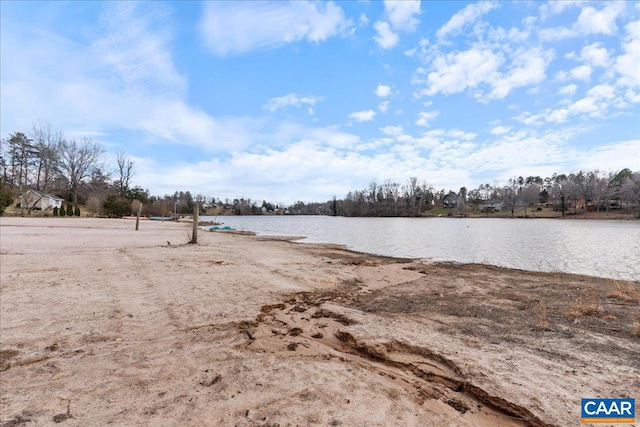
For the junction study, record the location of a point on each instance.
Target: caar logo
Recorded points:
(608, 410)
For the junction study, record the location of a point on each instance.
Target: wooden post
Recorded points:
(194, 237)
(138, 217)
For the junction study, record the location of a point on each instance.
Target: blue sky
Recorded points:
(290, 101)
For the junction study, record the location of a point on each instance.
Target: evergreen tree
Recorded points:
(6, 199)
(76, 211)
(116, 206)
(69, 209)
(62, 212)
(55, 211)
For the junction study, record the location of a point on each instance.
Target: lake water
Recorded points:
(593, 247)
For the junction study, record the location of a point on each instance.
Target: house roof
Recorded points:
(41, 194)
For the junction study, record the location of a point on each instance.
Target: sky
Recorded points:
(287, 101)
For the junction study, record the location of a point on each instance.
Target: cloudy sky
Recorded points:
(306, 100)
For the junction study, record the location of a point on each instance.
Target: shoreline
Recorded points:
(255, 330)
(203, 227)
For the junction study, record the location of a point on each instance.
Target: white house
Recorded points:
(491, 206)
(34, 199)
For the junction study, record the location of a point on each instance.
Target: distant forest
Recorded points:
(45, 160)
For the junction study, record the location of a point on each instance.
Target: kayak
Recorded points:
(220, 228)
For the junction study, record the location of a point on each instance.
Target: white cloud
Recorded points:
(583, 72)
(363, 21)
(584, 105)
(290, 99)
(124, 79)
(615, 155)
(179, 123)
(499, 130)
(466, 16)
(593, 21)
(363, 116)
(392, 130)
(554, 7)
(235, 27)
(424, 118)
(568, 90)
(560, 115)
(627, 64)
(136, 46)
(527, 67)
(385, 37)
(401, 14)
(400, 17)
(383, 91)
(595, 55)
(556, 33)
(383, 106)
(457, 71)
(479, 68)
(410, 52)
(602, 91)
(590, 21)
(597, 104)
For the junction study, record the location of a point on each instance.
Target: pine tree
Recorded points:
(62, 212)
(69, 209)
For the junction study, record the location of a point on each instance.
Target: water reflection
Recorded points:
(592, 247)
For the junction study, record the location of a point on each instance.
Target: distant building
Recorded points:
(491, 206)
(34, 199)
(451, 200)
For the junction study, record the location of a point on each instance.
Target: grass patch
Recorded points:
(543, 320)
(625, 291)
(587, 304)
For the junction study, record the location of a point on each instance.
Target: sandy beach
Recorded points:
(104, 325)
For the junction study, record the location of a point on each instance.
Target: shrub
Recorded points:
(69, 210)
(62, 212)
(5, 201)
(55, 211)
(115, 206)
(76, 211)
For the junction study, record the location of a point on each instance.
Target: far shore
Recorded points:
(102, 324)
(439, 212)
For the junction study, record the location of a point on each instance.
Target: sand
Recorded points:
(103, 325)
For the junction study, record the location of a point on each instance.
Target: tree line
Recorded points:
(46, 160)
(586, 190)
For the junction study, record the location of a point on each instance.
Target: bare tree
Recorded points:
(372, 196)
(47, 143)
(585, 183)
(560, 189)
(530, 195)
(412, 193)
(603, 191)
(77, 161)
(125, 174)
(511, 194)
(630, 191)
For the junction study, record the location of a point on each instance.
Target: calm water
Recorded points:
(596, 248)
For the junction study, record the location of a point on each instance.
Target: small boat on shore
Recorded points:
(160, 218)
(221, 228)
